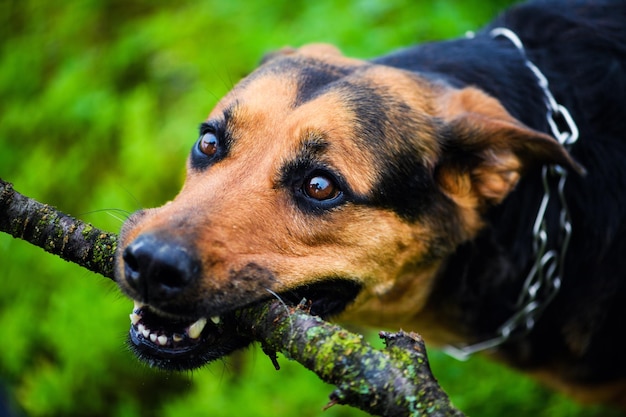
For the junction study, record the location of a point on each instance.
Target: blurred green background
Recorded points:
(99, 106)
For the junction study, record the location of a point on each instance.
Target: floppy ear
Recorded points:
(486, 150)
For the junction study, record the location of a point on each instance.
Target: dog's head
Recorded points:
(325, 178)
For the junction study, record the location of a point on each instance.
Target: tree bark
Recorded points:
(395, 381)
(55, 232)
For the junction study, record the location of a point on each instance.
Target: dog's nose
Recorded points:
(159, 268)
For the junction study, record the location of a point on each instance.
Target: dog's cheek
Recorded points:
(380, 245)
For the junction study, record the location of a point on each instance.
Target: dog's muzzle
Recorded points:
(167, 331)
(178, 324)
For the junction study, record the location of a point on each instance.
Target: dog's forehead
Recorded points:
(295, 80)
(286, 83)
(364, 114)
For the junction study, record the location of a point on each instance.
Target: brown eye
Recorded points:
(208, 144)
(320, 187)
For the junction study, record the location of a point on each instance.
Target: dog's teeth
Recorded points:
(177, 338)
(216, 319)
(153, 337)
(162, 340)
(134, 318)
(142, 329)
(195, 329)
(138, 305)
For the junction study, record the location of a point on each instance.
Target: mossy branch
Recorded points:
(60, 234)
(395, 381)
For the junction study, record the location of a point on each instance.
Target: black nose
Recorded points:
(159, 268)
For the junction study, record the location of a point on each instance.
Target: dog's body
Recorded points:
(402, 192)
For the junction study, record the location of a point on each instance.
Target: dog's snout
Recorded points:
(159, 268)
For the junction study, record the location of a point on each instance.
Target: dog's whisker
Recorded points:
(118, 218)
(286, 307)
(123, 214)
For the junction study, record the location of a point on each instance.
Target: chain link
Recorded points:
(544, 280)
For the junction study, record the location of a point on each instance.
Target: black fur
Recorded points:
(313, 77)
(406, 185)
(581, 48)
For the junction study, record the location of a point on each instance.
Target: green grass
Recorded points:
(99, 105)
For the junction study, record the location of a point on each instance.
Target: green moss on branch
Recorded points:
(395, 381)
(57, 233)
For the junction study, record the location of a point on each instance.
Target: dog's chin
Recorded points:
(178, 343)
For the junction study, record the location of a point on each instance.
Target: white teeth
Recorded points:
(142, 329)
(134, 318)
(195, 329)
(137, 305)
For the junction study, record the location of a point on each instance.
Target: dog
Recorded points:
(472, 190)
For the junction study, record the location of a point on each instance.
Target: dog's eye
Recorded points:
(208, 144)
(321, 187)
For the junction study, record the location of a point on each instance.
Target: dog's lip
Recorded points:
(171, 341)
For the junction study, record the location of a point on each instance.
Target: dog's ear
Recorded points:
(320, 50)
(287, 50)
(317, 50)
(485, 150)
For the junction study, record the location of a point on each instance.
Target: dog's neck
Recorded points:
(484, 277)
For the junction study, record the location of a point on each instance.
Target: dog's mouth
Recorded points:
(178, 343)
(181, 343)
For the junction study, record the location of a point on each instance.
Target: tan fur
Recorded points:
(500, 171)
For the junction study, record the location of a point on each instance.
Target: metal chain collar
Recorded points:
(544, 279)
